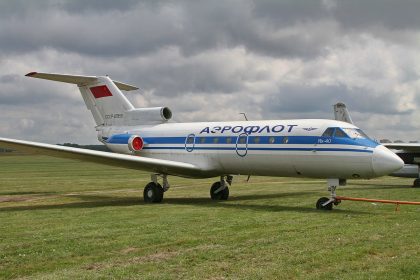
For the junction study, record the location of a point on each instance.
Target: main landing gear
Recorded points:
(220, 189)
(416, 183)
(325, 203)
(153, 191)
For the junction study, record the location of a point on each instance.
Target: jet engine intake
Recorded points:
(148, 115)
(135, 143)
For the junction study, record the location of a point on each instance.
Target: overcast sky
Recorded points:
(211, 60)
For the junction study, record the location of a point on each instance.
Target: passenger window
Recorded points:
(256, 140)
(329, 132)
(216, 140)
(271, 140)
(190, 139)
(339, 133)
(228, 140)
(285, 140)
(203, 140)
(242, 140)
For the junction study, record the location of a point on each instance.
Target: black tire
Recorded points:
(153, 193)
(321, 201)
(221, 195)
(416, 183)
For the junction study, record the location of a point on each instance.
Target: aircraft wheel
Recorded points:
(221, 195)
(321, 201)
(416, 183)
(153, 193)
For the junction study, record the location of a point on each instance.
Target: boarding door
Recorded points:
(190, 143)
(242, 144)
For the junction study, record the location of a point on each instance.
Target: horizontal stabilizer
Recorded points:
(76, 79)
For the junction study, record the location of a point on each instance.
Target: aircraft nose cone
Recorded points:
(385, 162)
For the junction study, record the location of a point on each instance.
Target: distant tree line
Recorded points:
(384, 141)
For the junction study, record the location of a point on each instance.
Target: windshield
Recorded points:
(355, 133)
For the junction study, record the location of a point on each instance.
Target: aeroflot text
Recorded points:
(249, 129)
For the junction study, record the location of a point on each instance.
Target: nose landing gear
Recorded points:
(325, 203)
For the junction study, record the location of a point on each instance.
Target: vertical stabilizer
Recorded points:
(101, 95)
(106, 102)
(341, 113)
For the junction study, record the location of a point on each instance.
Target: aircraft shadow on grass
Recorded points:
(93, 201)
(375, 187)
(27, 193)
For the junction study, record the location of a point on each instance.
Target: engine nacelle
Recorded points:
(148, 115)
(125, 143)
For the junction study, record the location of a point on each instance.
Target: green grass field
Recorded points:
(62, 219)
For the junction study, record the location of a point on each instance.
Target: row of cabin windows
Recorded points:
(242, 140)
(329, 132)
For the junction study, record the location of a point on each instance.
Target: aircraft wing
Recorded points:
(120, 160)
(409, 147)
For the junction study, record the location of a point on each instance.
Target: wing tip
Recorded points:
(30, 74)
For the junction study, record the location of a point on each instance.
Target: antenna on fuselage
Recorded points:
(244, 116)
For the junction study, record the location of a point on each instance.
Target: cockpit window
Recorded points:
(329, 132)
(340, 133)
(355, 133)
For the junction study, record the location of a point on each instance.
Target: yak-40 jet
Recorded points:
(145, 139)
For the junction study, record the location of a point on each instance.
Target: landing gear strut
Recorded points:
(325, 203)
(416, 183)
(153, 191)
(220, 189)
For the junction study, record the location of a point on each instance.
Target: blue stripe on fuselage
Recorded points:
(119, 139)
(263, 149)
(265, 140)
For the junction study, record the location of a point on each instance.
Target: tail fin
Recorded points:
(341, 113)
(101, 95)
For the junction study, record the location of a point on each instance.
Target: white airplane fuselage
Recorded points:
(292, 148)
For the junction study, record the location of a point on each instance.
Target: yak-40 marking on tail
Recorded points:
(145, 139)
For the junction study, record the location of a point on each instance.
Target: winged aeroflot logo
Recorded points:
(309, 128)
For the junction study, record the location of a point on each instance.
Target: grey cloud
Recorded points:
(16, 90)
(95, 6)
(130, 28)
(9, 78)
(301, 99)
(391, 14)
(103, 34)
(124, 28)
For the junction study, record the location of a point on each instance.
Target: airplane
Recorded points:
(408, 152)
(146, 139)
